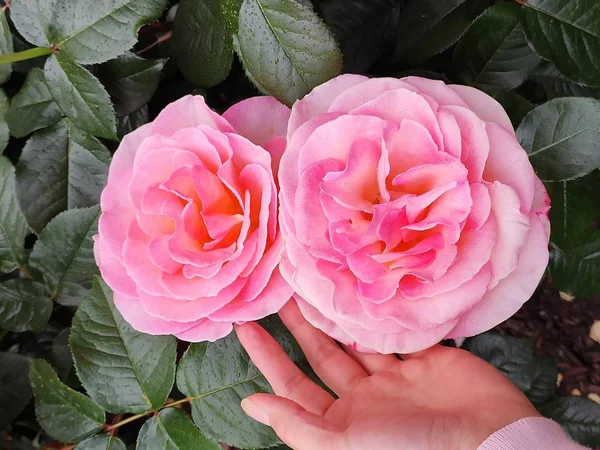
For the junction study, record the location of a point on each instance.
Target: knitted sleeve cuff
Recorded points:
(532, 433)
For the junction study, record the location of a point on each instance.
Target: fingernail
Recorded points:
(255, 411)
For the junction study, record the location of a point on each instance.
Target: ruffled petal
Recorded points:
(187, 112)
(259, 119)
(513, 291)
(320, 99)
(509, 164)
(486, 107)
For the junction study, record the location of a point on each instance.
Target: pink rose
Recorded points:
(188, 237)
(410, 212)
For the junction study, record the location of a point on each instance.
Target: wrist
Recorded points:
(485, 423)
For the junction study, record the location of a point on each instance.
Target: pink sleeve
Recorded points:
(532, 433)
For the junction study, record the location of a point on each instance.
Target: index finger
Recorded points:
(286, 379)
(334, 366)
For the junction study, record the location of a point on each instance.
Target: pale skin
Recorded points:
(441, 398)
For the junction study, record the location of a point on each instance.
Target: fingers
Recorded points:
(373, 362)
(338, 370)
(297, 427)
(286, 379)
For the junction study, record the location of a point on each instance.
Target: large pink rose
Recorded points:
(410, 213)
(188, 237)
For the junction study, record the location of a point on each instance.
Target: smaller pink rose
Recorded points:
(188, 237)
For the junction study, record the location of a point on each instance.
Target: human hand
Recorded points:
(441, 398)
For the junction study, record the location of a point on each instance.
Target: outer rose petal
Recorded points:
(187, 112)
(486, 107)
(112, 270)
(125, 154)
(365, 340)
(541, 204)
(509, 295)
(320, 99)
(206, 330)
(138, 318)
(436, 89)
(269, 301)
(509, 164)
(259, 119)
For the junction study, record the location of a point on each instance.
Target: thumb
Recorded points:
(297, 427)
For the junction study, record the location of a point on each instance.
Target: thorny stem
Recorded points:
(110, 428)
(114, 426)
(163, 38)
(521, 2)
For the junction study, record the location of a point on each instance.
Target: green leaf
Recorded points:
(559, 85)
(15, 391)
(63, 413)
(24, 306)
(4, 133)
(567, 33)
(202, 39)
(6, 46)
(580, 418)
(123, 370)
(130, 122)
(79, 170)
(88, 31)
(574, 211)
(562, 138)
(512, 356)
(13, 227)
(363, 29)
(101, 442)
(543, 385)
(172, 429)
(81, 97)
(131, 81)
(64, 254)
(516, 106)
(493, 54)
(62, 360)
(33, 108)
(219, 375)
(577, 271)
(285, 48)
(428, 27)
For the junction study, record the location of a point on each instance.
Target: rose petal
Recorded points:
(206, 330)
(270, 300)
(509, 164)
(112, 270)
(513, 291)
(320, 99)
(486, 107)
(259, 119)
(187, 112)
(132, 311)
(512, 226)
